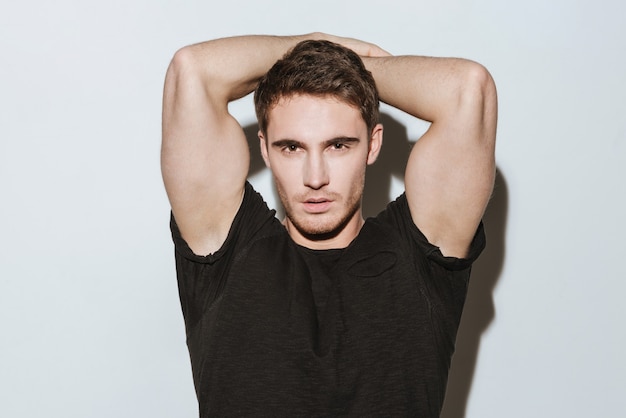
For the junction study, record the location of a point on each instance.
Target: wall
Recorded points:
(90, 320)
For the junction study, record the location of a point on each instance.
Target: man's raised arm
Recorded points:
(450, 172)
(204, 155)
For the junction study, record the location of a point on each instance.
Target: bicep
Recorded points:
(204, 160)
(450, 174)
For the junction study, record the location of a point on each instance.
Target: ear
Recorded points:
(376, 142)
(263, 146)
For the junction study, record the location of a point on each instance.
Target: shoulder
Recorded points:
(396, 218)
(251, 219)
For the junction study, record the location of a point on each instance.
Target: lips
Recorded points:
(316, 205)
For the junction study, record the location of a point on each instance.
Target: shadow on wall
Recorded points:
(256, 160)
(479, 309)
(391, 163)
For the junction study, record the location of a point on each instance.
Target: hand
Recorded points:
(364, 49)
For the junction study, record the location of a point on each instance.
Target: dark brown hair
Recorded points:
(318, 68)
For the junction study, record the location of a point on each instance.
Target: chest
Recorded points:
(353, 329)
(343, 305)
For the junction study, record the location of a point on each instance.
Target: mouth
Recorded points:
(316, 205)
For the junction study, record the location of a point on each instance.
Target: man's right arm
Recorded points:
(204, 155)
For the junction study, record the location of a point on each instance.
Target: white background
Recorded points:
(90, 324)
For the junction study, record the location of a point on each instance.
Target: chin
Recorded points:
(320, 230)
(317, 233)
(321, 227)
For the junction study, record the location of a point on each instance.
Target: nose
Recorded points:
(315, 173)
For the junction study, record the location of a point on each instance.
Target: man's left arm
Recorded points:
(451, 169)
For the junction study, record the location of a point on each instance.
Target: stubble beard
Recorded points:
(317, 227)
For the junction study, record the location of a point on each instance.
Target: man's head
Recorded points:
(323, 69)
(318, 111)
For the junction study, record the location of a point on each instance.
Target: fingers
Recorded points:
(376, 51)
(364, 49)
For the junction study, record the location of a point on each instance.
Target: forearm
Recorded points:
(230, 68)
(433, 89)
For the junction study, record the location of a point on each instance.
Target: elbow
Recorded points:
(478, 88)
(182, 66)
(185, 80)
(478, 99)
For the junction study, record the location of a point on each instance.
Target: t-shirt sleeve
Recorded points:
(251, 215)
(201, 279)
(398, 214)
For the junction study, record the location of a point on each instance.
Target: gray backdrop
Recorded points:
(90, 324)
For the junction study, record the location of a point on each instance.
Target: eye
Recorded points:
(342, 143)
(290, 148)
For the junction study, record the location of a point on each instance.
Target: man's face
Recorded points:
(318, 149)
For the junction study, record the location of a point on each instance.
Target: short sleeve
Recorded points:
(399, 215)
(250, 216)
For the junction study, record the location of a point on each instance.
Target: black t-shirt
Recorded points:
(276, 329)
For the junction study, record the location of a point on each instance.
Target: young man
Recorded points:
(324, 313)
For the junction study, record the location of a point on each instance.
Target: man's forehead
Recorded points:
(301, 111)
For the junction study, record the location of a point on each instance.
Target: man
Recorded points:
(323, 314)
